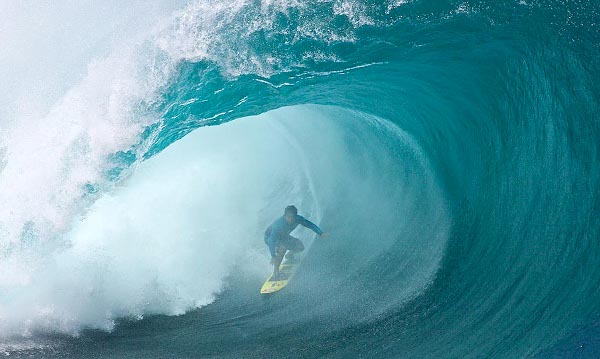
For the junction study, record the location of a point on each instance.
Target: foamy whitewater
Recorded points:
(450, 148)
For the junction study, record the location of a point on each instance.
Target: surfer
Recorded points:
(279, 240)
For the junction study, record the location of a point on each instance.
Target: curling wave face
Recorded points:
(452, 148)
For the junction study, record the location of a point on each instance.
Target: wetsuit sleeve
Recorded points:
(308, 224)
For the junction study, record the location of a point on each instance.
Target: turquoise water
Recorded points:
(450, 148)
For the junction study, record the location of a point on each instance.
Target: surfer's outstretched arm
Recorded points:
(308, 224)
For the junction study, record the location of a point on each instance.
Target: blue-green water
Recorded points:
(450, 148)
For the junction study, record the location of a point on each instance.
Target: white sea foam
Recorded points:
(71, 78)
(164, 242)
(72, 107)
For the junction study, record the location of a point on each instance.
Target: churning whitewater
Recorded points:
(450, 148)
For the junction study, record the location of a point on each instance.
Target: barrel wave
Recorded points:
(450, 148)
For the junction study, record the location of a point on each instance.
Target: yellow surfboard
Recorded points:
(287, 271)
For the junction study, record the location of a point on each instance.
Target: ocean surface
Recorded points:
(450, 148)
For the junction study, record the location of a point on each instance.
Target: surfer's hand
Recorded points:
(324, 235)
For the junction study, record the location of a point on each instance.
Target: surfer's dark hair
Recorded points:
(291, 209)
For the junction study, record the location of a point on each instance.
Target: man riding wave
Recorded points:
(279, 240)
